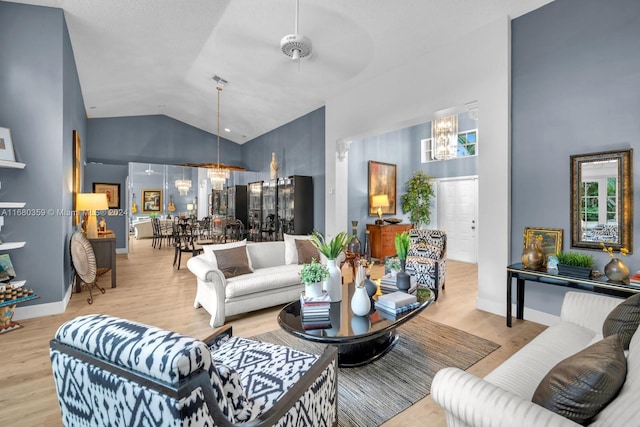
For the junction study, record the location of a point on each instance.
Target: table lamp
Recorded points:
(90, 203)
(379, 201)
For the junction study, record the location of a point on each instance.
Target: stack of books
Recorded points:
(635, 278)
(396, 303)
(388, 284)
(315, 311)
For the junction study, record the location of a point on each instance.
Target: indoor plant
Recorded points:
(331, 250)
(312, 275)
(417, 200)
(402, 241)
(392, 264)
(575, 264)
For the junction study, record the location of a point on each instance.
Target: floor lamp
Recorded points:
(90, 203)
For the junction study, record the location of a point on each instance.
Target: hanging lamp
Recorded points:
(183, 185)
(217, 174)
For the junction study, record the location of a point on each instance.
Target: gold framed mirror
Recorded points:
(602, 200)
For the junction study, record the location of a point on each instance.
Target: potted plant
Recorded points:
(417, 200)
(402, 241)
(392, 265)
(312, 275)
(575, 264)
(331, 250)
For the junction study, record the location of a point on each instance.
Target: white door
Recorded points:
(457, 215)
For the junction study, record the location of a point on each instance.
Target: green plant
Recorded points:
(417, 200)
(575, 259)
(392, 263)
(333, 248)
(313, 272)
(402, 244)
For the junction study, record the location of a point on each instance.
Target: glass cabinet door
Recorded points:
(285, 206)
(269, 213)
(254, 220)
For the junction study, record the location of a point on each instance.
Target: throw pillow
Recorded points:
(581, 385)
(306, 251)
(623, 320)
(211, 257)
(233, 262)
(290, 249)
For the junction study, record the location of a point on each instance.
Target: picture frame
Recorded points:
(151, 201)
(6, 145)
(551, 239)
(77, 155)
(382, 181)
(112, 190)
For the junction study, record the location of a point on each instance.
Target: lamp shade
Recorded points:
(92, 202)
(380, 201)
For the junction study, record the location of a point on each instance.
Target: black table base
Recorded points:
(363, 352)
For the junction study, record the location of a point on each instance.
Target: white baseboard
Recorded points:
(46, 309)
(121, 251)
(529, 314)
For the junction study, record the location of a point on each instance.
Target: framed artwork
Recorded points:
(76, 175)
(382, 182)
(151, 200)
(111, 190)
(6, 145)
(551, 239)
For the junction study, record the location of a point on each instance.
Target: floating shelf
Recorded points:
(11, 165)
(9, 205)
(11, 245)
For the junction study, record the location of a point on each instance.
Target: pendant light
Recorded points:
(218, 175)
(183, 185)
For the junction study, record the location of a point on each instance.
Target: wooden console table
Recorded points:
(104, 248)
(383, 238)
(601, 285)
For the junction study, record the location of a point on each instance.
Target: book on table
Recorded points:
(635, 277)
(388, 284)
(393, 314)
(396, 299)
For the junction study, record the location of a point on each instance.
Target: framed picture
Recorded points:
(382, 182)
(76, 175)
(151, 200)
(551, 239)
(111, 190)
(6, 145)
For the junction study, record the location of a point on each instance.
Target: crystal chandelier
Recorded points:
(217, 174)
(444, 137)
(183, 185)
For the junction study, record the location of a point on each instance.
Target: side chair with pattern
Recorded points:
(427, 258)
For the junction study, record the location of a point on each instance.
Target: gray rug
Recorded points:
(372, 394)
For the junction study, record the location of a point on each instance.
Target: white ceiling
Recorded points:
(148, 57)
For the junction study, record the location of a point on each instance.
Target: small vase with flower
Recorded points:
(615, 270)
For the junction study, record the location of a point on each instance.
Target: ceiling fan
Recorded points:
(296, 45)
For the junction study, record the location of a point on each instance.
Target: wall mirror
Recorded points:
(602, 200)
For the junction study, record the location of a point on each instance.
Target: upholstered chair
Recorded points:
(427, 258)
(111, 371)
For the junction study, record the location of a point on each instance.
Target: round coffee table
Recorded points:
(360, 339)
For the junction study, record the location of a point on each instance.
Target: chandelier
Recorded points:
(444, 137)
(183, 185)
(218, 175)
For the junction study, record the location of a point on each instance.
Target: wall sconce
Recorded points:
(90, 203)
(379, 201)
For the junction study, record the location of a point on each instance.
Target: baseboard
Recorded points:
(121, 251)
(529, 314)
(41, 310)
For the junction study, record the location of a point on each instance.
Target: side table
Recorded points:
(8, 308)
(104, 248)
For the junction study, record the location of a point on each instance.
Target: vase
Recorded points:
(313, 289)
(360, 324)
(367, 246)
(533, 257)
(354, 244)
(360, 302)
(370, 286)
(616, 270)
(403, 279)
(333, 284)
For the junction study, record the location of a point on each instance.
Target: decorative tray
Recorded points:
(393, 220)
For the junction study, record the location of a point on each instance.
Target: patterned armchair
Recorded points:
(427, 258)
(111, 371)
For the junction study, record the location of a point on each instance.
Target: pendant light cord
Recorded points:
(218, 116)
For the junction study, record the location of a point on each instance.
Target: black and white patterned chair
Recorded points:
(114, 372)
(427, 258)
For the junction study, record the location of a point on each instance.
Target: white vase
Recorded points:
(360, 302)
(313, 289)
(333, 284)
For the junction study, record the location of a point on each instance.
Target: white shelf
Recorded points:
(11, 245)
(11, 165)
(15, 284)
(9, 205)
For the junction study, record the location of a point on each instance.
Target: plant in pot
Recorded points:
(403, 280)
(417, 200)
(392, 265)
(332, 250)
(575, 264)
(312, 275)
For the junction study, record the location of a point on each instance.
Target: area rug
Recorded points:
(370, 395)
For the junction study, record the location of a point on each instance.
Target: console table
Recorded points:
(383, 238)
(600, 285)
(104, 248)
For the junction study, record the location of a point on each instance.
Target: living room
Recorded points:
(552, 83)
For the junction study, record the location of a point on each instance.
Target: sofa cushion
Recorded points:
(263, 279)
(582, 385)
(233, 261)
(290, 249)
(211, 256)
(306, 251)
(623, 320)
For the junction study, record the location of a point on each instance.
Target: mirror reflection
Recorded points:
(602, 204)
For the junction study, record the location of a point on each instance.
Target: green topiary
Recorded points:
(575, 259)
(417, 200)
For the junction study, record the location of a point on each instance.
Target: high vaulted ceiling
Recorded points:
(147, 57)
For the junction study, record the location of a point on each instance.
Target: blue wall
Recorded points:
(575, 90)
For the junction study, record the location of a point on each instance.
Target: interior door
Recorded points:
(458, 215)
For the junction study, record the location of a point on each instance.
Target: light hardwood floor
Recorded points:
(151, 291)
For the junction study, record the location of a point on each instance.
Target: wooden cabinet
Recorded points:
(383, 238)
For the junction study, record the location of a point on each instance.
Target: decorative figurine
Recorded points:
(274, 166)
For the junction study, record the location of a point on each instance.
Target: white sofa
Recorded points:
(142, 229)
(273, 282)
(503, 397)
